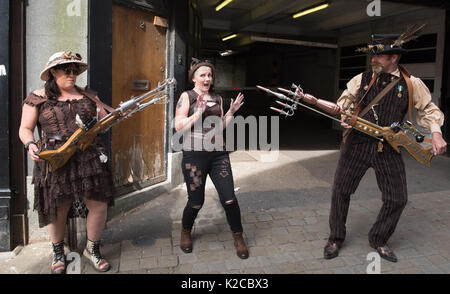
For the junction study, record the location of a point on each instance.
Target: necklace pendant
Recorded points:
(103, 158)
(380, 147)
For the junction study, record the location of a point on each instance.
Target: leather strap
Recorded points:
(27, 145)
(406, 75)
(379, 96)
(358, 107)
(372, 103)
(93, 96)
(57, 137)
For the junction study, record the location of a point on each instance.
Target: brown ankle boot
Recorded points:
(186, 241)
(241, 248)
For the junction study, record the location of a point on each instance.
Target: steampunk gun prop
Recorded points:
(396, 134)
(87, 131)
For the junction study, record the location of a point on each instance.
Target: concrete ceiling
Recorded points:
(273, 18)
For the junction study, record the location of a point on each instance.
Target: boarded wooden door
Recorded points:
(138, 144)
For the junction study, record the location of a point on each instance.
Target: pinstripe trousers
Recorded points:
(389, 168)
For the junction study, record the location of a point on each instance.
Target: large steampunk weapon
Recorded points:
(397, 135)
(87, 131)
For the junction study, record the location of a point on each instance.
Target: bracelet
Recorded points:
(196, 116)
(29, 143)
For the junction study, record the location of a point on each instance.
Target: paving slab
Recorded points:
(285, 208)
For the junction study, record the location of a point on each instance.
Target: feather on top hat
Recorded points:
(391, 43)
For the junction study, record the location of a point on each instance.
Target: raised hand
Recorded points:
(235, 105)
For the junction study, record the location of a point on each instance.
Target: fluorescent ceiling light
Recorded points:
(308, 11)
(229, 37)
(227, 53)
(223, 4)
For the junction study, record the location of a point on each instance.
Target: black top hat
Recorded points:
(391, 43)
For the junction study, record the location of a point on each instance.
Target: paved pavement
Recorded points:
(285, 208)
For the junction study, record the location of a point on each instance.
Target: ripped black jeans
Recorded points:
(196, 165)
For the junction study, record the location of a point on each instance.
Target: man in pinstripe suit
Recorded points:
(360, 152)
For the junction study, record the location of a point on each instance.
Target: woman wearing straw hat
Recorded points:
(85, 176)
(199, 105)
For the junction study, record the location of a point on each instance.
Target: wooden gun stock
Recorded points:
(420, 153)
(80, 139)
(423, 154)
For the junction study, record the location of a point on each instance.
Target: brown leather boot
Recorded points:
(241, 248)
(186, 241)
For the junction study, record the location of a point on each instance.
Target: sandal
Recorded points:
(92, 253)
(59, 259)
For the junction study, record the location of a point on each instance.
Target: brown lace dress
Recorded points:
(83, 176)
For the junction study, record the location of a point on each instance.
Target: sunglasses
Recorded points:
(69, 69)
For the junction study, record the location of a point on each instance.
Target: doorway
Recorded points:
(19, 203)
(138, 64)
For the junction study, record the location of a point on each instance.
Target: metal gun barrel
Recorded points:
(278, 95)
(279, 110)
(285, 105)
(281, 103)
(323, 106)
(296, 102)
(155, 91)
(135, 104)
(287, 92)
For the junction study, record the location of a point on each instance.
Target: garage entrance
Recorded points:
(261, 43)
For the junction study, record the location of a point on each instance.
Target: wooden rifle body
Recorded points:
(81, 139)
(423, 154)
(84, 136)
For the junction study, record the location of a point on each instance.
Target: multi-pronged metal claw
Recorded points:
(290, 107)
(282, 111)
